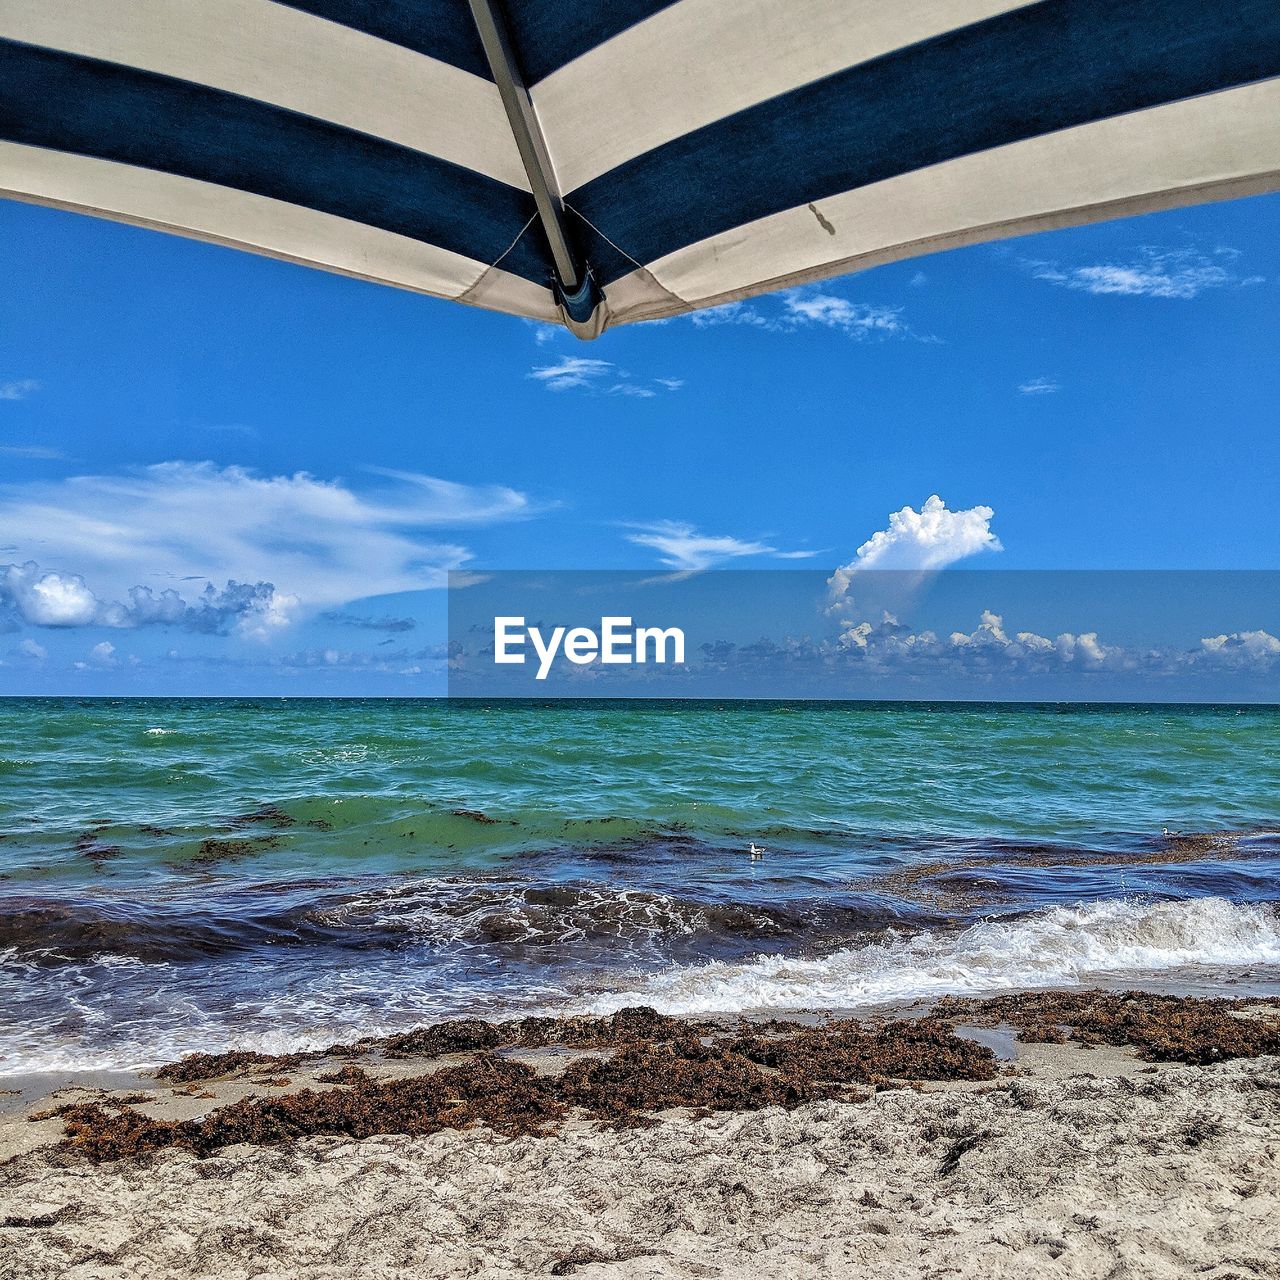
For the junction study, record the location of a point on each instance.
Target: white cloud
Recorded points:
(989, 647)
(807, 308)
(857, 319)
(1084, 650)
(730, 313)
(18, 389)
(44, 598)
(916, 541)
(103, 654)
(183, 527)
(544, 333)
(30, 451)
(1242, 649)
(572, 371)
(1039, 387)
(28, 648)
(1151, 273)
(930, 538)
(681, 546)
(585, 373)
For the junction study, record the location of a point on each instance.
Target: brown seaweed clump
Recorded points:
(847, 1051)
(209, 1066)
(584, 1031)
(508, 1097)
(1161, 1028)
(640, 1063)
(652, 1064)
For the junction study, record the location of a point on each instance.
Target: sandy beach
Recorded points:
(1080, 1159)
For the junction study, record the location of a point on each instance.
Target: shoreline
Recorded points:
(1077, 1159)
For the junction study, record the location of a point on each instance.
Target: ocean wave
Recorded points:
(497, 914)
(500, 917)
(1061, 947)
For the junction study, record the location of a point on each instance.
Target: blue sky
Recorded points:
(174, 415)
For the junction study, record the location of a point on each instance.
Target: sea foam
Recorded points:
(1064, 946)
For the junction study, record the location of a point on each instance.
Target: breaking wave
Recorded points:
(1061, 947)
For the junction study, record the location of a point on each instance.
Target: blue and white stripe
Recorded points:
(703, 150)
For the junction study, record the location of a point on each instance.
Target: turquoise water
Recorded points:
(183, 874)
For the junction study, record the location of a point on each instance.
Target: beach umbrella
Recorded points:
(594, 163)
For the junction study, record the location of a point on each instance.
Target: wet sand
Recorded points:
(1065, 1160)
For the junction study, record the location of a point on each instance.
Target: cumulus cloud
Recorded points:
(990, 648)
(930, 538)
(18, 389)
(584, 373)
(1242, 649)
(246, 543)
(32, 651)
(1151, 273)
(798, 309)
(1084, 650)
(27, 594)
(43, 598)
(103, 654)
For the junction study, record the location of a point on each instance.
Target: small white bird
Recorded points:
(756, 853)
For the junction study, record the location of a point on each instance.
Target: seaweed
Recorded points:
(215, 849)
(209, 1066)
(475, 815)
(641, 1063)
(844, 1052)
(87, 845)
(508, 1097)
(268, 814)
(1161, 1028)
(653, 1064)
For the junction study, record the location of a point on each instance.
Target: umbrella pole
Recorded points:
(575, 291)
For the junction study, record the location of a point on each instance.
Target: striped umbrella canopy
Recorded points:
(593, 163)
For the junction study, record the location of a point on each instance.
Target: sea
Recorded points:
(280, 874)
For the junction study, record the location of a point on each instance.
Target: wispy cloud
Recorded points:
(732, 313)
(799, 309)
(318, 543)
(1152, 272)
(583, 373)
(18, 389)
(343, 618)
(682, 546)
(1039, 387)
(39, 451)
